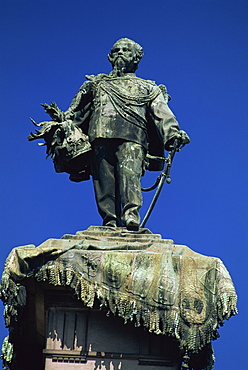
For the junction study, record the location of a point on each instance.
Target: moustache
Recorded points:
(120, 58)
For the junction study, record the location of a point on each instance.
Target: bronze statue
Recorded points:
(113, 122)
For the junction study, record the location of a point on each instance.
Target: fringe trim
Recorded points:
(192, 338)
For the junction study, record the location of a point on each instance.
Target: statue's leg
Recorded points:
(103, 173)
(130, 159)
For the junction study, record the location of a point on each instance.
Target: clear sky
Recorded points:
(198, 49)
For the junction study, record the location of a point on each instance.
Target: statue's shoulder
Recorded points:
(92, 81)
(96, 78)
(163, 88)
(147, 82)
(152, 85)
(155, 87)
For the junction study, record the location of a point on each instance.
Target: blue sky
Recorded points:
(198, 49)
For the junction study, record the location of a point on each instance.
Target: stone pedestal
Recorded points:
(87, 339)
(58, 332)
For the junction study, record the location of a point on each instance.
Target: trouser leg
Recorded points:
(104, 174)
(130, 159)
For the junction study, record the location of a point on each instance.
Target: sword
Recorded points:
(164, 176)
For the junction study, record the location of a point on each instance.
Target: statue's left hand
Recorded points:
(54, 112)
(183, 136)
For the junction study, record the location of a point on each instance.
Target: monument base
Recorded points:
(165, 303)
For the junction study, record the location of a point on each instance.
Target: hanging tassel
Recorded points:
(186, 359)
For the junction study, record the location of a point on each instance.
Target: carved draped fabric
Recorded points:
(167, 288)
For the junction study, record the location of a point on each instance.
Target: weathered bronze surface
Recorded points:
(113, 122)
(166, 288)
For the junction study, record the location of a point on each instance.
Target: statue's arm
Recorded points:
(166, 122)
(78, 111)
(80, 105)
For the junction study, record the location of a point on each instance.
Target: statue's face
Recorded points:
(122, 56)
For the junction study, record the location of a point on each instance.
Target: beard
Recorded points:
(121, 65)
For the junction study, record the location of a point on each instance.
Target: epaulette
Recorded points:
(152, 82)
(147, 81)
(164, 91)
(95, 78)
(89, 77)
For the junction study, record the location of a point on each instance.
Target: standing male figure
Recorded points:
(124, 117)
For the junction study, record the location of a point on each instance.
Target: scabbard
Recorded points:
(164, 175)
(154, 200)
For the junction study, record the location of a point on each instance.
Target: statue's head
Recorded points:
(125, 55)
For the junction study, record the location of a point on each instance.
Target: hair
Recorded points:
(138, 50)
